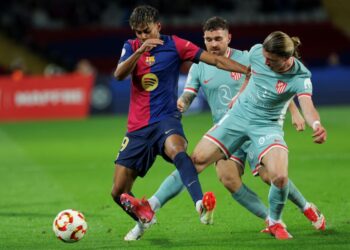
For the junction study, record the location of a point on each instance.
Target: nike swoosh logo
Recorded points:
(190, 184)
(168, 131)
(206, 81)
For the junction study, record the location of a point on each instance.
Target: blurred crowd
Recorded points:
(70, 13)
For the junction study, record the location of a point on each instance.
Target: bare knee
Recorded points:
(280, 180)
(264, 176)
(231, 183)
(200, 161)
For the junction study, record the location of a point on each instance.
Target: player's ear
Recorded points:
(159, 26)
(229, 37)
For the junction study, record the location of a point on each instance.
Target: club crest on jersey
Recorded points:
(236, 76)
(150, 60)
(281, 86)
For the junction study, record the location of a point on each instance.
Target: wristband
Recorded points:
(315, 123)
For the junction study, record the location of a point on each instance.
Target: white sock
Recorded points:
(154, 203)
(273, 222)
(307, 205)
(199, 206)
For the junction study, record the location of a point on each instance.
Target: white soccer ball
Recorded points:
(69, 225)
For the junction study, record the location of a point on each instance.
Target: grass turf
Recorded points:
(46, 167)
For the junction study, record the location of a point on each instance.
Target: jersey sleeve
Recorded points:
(127, 51)
(187, 50)
(304, 87)
(193, 82)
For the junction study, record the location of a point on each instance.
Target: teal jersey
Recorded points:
(219, 86)
(268, 94)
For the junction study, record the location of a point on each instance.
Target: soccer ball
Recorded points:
(69, 225)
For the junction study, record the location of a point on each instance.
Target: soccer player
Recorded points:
(277, 76)
(219, 87)
(154, 126)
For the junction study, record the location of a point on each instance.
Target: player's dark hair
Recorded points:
(215, 23)
(143, 15)
(281, 44)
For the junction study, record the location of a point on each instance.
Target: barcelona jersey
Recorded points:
(155, 79)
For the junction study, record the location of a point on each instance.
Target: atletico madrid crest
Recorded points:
(150, 60)
(281, 86)
(236, 76)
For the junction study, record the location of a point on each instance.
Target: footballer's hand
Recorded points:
(320, 134)
(181, 105)
(149, 44)
(298, 121)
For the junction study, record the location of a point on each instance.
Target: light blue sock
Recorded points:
(295, 196)
(248, 199)
(169, 188)
(277, 200)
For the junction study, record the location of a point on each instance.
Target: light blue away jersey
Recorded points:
(268, 93)
(219, 86)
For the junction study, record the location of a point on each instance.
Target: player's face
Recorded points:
(277, 63)
(147, 31)
(217, 41)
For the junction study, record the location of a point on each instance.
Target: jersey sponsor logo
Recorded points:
(281, 86)
(236, 76)
(207, 81)
(149, 82)
(150, 60)
(225, 95)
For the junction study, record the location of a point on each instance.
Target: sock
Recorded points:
(169, 188)
(307, 205)
(189, 176)
(295, 196)
(154, 203)
(248, 199)
(131, 214)
(277, 200)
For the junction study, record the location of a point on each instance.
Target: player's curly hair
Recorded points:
(215, 23)
(281, 44)
(143, 15)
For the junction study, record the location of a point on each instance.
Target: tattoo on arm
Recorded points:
(187, 98)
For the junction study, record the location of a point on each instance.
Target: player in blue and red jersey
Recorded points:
(154, 126)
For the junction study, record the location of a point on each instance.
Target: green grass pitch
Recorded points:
(46, 167)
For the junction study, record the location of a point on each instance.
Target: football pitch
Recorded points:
(46, 167)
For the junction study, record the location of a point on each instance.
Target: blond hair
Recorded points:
(281, 44)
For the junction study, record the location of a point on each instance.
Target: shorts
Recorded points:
(234, 130)
(140, 148)
(246, 152)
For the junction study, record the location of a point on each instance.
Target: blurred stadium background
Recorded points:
(59, 38)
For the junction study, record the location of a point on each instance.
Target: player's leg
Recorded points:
(307, 208)
(173, 145)
(175, 148)
(170, 187)
(276, 162)
(134, 159)
(122, 183)
(229, 172)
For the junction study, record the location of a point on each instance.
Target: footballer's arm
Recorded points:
(297, 119)
(313, 119)
(184, 101)
(224, 63)
(126, 67)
